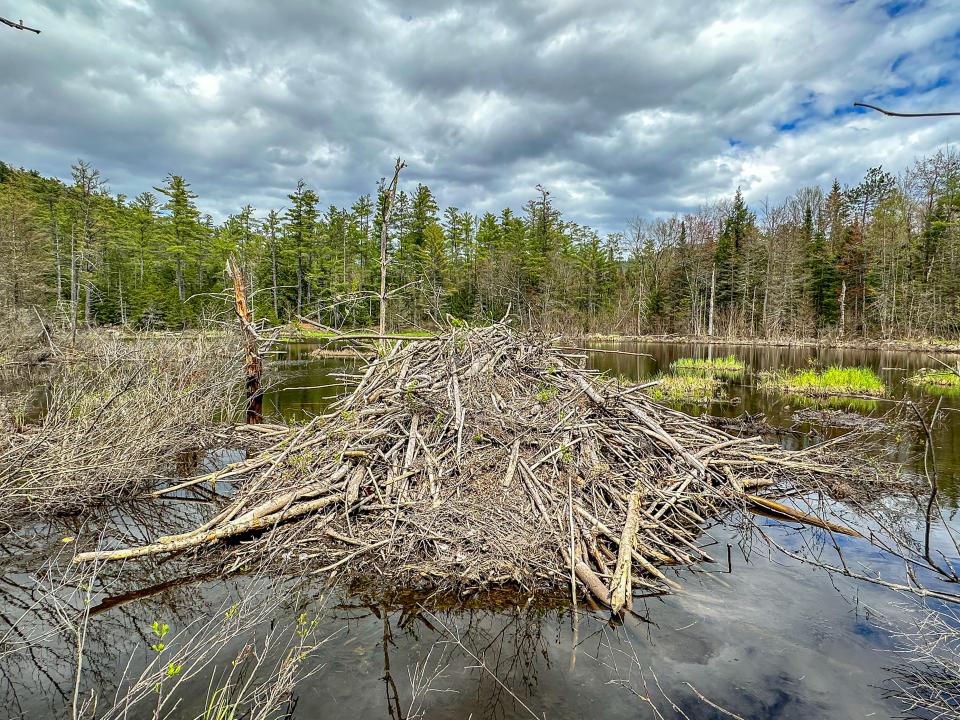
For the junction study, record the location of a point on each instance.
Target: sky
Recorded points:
(620, 109)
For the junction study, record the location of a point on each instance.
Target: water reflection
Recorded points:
(774, 638)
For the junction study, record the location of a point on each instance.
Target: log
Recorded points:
(621, 590)
(794, 514)
(593, 583)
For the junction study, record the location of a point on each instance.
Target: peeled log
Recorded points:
(621, 589)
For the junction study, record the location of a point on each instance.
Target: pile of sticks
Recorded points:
(117, 418)
(481, 458)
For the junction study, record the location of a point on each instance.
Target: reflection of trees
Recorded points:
(498, 639)
(45, 599)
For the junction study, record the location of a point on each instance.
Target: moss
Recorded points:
(822, 383)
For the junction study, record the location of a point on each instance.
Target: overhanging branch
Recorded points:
(902, 114)
(18, 25)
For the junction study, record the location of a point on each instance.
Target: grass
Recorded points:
(861, 404)
(936, 380)
(721, 366)
(693, 389)
(824, 383)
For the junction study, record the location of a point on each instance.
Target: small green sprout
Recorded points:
(160, 630)
(546, 393)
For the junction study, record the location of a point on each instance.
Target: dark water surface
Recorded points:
(766, 637)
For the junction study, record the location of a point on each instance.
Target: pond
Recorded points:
(756, 633)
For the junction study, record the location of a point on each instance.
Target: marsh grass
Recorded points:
(687, 388)
(942, 381)
(862, 405)
(824, 383)
(729, 365)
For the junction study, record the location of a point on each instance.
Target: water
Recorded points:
(765, 637)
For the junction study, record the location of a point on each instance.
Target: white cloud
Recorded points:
(621, 108)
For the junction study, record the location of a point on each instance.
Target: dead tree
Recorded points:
(389, 194)
(253, 365)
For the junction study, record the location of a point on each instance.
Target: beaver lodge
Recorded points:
(482, 459)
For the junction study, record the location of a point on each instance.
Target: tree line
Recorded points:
(876, 259)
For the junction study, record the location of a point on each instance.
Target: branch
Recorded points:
(18, 25)
(901, 114)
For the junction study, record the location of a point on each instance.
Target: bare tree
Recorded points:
(389, 195)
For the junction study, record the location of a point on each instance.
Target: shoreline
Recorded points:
(853, 344)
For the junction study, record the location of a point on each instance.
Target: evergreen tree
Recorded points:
(823, 279)
(184, 231)
(298, 235)
(728, 257)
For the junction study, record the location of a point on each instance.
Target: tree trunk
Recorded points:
(181, 290)
(385, 222)
(74, 285)
(713, 294)
(843, 305)
(253, 365)
(273, 272)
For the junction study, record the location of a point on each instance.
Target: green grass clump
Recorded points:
(720, 366)
(698, 389)
(936, 379)
(823, 383)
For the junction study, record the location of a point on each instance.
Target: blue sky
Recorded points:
(621, 109)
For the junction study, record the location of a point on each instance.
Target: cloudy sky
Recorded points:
(621, 109)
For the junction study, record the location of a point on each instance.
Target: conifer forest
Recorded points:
(877, 259)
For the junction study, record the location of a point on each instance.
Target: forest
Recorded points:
(873, 260)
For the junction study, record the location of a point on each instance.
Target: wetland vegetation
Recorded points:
(943, 380)
(831, 381)
(685, 388)
(724, 365)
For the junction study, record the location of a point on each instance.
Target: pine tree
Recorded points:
(728, 256)
(298, 235)
(184, 229)
(822, 277)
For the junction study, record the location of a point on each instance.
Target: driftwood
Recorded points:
(484, 458)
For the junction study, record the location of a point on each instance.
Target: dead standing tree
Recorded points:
(389, 195)
(253, 365)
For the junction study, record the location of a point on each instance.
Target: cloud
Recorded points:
(620, 108)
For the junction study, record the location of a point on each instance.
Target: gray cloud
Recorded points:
(619, 109)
